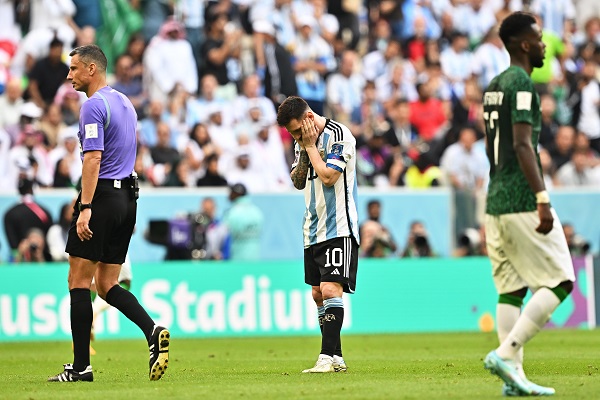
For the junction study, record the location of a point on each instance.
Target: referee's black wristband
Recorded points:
(82, 206)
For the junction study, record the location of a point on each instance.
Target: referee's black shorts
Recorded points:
(334, 260)
(113, 219)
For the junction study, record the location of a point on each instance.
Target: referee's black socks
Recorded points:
(82, 316)
(332, 325)
(126, 302)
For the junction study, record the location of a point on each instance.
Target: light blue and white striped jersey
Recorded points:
(331, 211)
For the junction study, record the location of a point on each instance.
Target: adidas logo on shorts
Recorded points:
(335, 272)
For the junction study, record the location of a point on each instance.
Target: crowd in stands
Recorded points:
(206, 78)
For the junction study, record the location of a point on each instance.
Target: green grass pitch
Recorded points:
(406, 366)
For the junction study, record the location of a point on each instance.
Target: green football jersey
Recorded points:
(509, 99)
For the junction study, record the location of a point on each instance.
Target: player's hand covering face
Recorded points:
(309, 132)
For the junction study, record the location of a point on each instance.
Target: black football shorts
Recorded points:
(112, 223)
(335, 260)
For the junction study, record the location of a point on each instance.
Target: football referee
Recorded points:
(104, 215)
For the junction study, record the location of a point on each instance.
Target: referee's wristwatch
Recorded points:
(82, 206)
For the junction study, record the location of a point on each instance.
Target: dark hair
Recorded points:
(120, 57)
(90, 53)
(193, 133)
(514, 25)
(25, 186)
(210, 158)
(373, 203)
(293, 107)
(55, 42)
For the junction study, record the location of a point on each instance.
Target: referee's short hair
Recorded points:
(293, 107)
(90, 53)
(514, 25)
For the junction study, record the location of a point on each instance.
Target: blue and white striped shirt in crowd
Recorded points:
(554, 13)
(331, 211)
(488, 62)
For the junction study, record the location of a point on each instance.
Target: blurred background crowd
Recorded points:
(206, 78)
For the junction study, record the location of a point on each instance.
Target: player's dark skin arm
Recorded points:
(300, 172)
(527, 161)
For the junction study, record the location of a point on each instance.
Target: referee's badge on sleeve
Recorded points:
(91, 131)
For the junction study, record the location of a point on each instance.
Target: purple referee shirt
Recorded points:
(112, 130)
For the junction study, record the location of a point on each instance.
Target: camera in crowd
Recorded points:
(579, 246)
(184, 237)
(469, 242)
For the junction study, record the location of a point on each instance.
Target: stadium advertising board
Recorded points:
(211, 299)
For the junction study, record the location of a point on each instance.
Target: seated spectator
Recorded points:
(402, 134)
(198, 108)
(377, 62)
(70, 108)
(578, 171)
(427, 113)
(51, 125)
(198, 148)
(36, 45)
(467, 110)
(582, 142)
(126, 84)
(211, 176)
(344, 89)
(373, 161)
(441, 87)
(244, 172)
(417, 244)
(475, 18)
(164, 156)
(222, 51)
(549, 124)
(32, 156)
(47, 75)
(250, 124)
(268, 148)
(562, 148)
(135, 49)
(66, 159)
(271, 57)
(415, 46)
(490, 58)
(221, 135)
(457, 62)
(11, 102)
(548, 169)
(168, 61)
(5, 144)
(148, 126)
(587, 112)
(423, 173)
(178, 175)
(396, 83)
(313, 59)
(251, 98)
(465, 166)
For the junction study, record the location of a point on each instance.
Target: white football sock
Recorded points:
(506, 318)
(535, 315)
